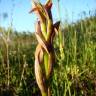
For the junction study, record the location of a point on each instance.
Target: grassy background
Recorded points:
(74, 71)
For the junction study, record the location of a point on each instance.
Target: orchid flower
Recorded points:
(44, 54)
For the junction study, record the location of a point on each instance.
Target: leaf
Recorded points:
(38, 28)
(48, 4)
(51, 62)
(39, 75)
(48, 7)
(49, 30)
(42, 41)
(38, 8)
(46, 63)
(56, 25)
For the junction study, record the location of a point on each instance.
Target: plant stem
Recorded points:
(8, 67)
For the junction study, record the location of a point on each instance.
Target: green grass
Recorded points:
(74, 74)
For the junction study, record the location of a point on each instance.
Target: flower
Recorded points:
(43, 11)
(44, 54)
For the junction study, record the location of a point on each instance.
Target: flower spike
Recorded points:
(44, 54)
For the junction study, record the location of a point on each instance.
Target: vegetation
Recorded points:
(75, 68)
(74, 75)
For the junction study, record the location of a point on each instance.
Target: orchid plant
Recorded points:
(44, 54)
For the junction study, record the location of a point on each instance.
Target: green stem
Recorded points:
(44, 94)
(46, 63)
